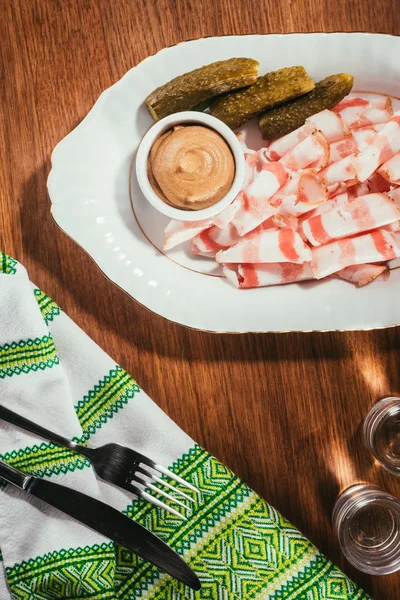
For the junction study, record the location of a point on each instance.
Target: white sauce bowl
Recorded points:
(182, 118)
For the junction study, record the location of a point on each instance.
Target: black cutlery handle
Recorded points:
(11, 417)
(13, 476)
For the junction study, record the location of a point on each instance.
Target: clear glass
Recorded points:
(381, 433)
(366, 520)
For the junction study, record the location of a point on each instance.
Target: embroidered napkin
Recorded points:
(53, 373)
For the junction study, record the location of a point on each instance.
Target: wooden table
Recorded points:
(283, 411)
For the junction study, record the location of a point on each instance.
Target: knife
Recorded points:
(106, 520)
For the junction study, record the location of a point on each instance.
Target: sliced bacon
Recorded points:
(205, 242)
(255, 207)
(361, 274)
(364, 136)
(334, 189)
(251, 160)
(302, 192)
(223, 218)
(377, 183)
(178, 232)
(284, 245)
(313, 150)
(261, 275)
(328, 123)
(285, 220)
(278, 148)
(330, 204)
(358, 112)
(390, 170)
(382, 102)
(377, 246)
(206, 253)
(339, 172)
(323, 185)
(359, 189)
(350, 102)
(362, 214)
(215, 239)
(385, 144)
(343, 148)
(395, 196)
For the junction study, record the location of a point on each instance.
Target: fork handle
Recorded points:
(11, 417)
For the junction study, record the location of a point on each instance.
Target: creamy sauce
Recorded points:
(191, 167)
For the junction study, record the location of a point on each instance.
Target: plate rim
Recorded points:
(107, 90)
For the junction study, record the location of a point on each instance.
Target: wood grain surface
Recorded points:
(283, 411)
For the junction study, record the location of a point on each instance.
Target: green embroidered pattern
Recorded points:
(45, 460)
(7, 264)
(26, 356)
(240, 547)
(48, 308)
(110, 395)
(105, 399)
(68, 574)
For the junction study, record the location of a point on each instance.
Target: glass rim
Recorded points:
(346, 507)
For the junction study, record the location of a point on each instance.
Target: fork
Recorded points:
(117, 464)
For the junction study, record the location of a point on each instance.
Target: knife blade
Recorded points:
(106, 520)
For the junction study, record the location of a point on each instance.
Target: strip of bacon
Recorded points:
(390, 170)
(285, 220)
(330, 204)
(261, 275)
(359, 189)
(326, 121)
(378, 246)
(215, 239)
(195, 250)
(385, 144)
(350, 102)
(358, 112)
(178, 232)
(302, 192)
(395, 196)
(205, 242)
(284, 245)
(362, 214)
(223, 218)
(339, 172)
(335, 189)
(255, 208)
(251, 160)
(343, 148)
(313, 150)
(361, 274)
(377, 183)
(364, 136)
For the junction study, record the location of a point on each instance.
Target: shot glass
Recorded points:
(381, 432)
(366, 520)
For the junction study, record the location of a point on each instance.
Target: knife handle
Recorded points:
(13, 476)
(11, 417)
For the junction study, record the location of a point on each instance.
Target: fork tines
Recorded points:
(146, 474)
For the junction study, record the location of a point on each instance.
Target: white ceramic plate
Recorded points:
(92, 184)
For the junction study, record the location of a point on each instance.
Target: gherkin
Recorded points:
(288, 117)
(271, 89)
(192, 89)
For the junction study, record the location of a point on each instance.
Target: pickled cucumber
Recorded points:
(271, 89)
(192, 89)
(288, 117)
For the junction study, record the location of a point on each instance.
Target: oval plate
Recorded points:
(97, 202)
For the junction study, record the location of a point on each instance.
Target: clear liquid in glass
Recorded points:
(367, 522)
(381, 431)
